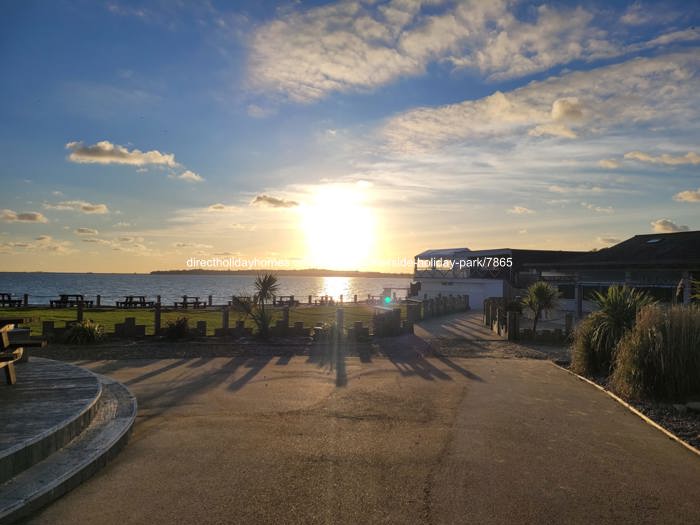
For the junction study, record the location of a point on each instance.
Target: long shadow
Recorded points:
(112, 366)
(153, 373)
(256, 364)
(454, 366)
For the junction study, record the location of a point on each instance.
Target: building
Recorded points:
(479, 273)
(661, 264)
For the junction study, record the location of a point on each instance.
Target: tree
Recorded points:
(266, 286)
(540, 297)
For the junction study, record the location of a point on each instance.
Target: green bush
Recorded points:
(595, 340)
(660, 357)
(84, 333)
(177, 329)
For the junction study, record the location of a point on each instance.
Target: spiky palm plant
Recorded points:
(266, 286)
(617, 311)
(540, 297)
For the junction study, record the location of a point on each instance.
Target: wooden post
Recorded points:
(156, 319)
(158, 299)
(341, 298)
(285, 316)
(25, 299)
(354, 299)
(209, 300)
(309, 299)
(339, 321)
(568, 322)
(224, 318)
(80, 312)
(184, 301)
(98, 300)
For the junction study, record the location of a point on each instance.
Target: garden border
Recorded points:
(629, 407)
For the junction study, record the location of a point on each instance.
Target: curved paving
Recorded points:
(51, 404)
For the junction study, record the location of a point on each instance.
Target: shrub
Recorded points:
(266, 285)
(660, 356)
(84, 333)
(540, 297)
(177, 329)
(595, 341)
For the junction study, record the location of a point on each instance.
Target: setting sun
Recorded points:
(339, 228)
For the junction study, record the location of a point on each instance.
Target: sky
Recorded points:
(137, 136)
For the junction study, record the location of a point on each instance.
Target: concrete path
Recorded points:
(464, 325)
(408, 440)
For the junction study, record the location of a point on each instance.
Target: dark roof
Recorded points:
(666, 250)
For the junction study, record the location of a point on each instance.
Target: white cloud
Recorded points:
(355, 46)
(85, 231)
(81, 206)
(27, 216)
(597, 209)
(44, 243)
(609, 164)
(104, 152)
(273, 202)
(189, 176)
(520, 210)
(688, 196)
(608, 240)
(642, 90)
(219, 207)
(667, 226)
(669, 160)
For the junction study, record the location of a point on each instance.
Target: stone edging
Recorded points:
(629, 407)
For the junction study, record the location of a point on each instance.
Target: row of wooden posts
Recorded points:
(386, 321)
(506, 322)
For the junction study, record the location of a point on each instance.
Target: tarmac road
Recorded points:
(407, 440)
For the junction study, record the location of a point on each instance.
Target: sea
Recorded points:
(42, 287)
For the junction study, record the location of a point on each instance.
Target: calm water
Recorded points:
(42, 287)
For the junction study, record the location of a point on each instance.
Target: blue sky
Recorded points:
(341, 134)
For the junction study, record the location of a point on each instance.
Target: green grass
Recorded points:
(108, 317)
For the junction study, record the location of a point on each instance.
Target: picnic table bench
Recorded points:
(284, 300)
(12, 352)
(68, 300)
(7, 300)
(194, 302)
(135, 301)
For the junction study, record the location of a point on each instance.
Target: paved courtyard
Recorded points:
(407, 440)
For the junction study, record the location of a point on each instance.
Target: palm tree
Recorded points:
(540, 297)
(266, 286)
(617, 313)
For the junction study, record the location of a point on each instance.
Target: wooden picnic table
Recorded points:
(7, 300)
(68, 300)
(135, 301)
(284, 300)
(194, 302)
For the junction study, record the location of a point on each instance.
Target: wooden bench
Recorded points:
(135, 301)
(69, 300)
(7, 300)
(9, 353)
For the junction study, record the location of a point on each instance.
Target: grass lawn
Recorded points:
(108, 317)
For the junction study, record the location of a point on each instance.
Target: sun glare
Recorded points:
(339, 229)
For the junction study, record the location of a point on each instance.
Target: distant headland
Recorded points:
(307, 272)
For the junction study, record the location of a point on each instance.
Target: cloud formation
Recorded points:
(669, 160)
(273, 202)
(609, 164)
(688, 196)
(189, 176)
(306, 54)
(104, 152)
(27, 216)
(667, 226)
(520, 210)
(85, 231)
(80, 206)
(570, 105)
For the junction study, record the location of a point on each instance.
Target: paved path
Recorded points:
(408, 440)
(465, 325)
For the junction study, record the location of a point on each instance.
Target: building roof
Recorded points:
(667, 250)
